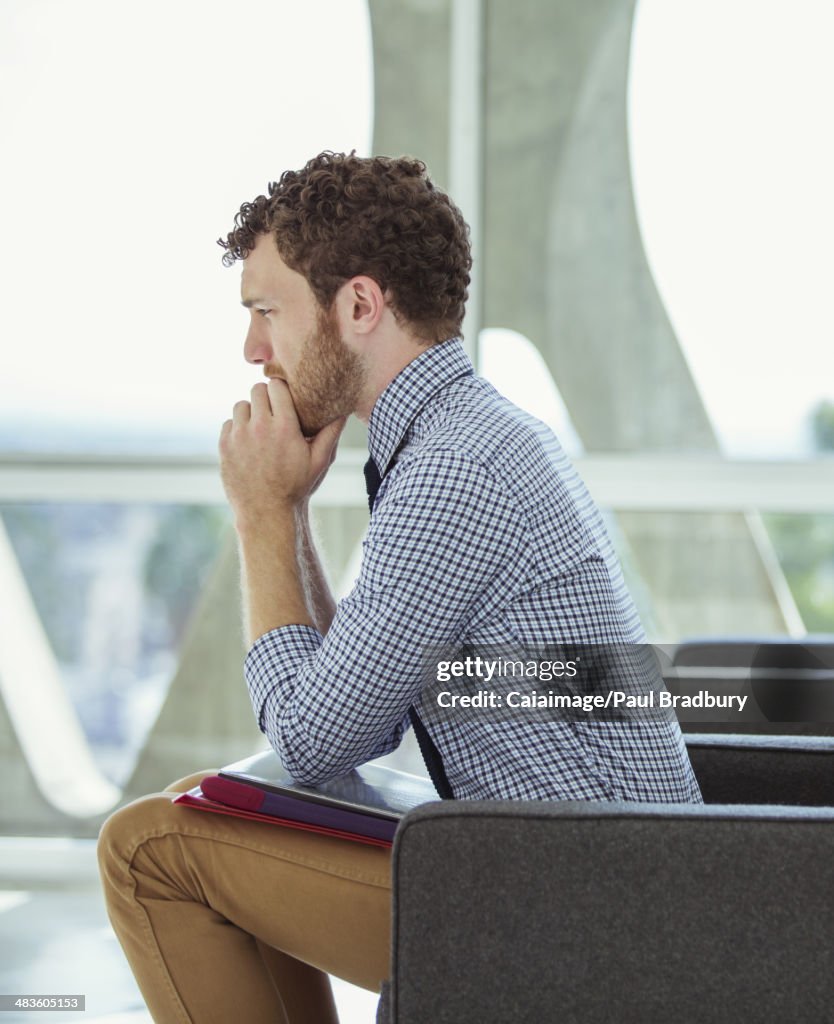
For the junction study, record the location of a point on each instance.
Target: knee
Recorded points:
(127, 828)
(125, 831)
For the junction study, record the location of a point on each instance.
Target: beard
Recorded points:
(329, 379)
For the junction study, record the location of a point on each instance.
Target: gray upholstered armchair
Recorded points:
(530, 912)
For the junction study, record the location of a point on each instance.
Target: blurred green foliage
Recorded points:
(822, 426)
(62, 550)
(37, 536)
(804, 544)
(178, 561)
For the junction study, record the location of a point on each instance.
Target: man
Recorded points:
(482, 539)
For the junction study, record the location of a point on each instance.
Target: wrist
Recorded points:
(280, 521)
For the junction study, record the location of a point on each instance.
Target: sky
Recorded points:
(732, 160)
(136, 138)
(139, 129)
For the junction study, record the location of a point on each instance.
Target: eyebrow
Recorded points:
(249, 303)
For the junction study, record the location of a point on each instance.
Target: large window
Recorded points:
(132, 133)
(732, 162)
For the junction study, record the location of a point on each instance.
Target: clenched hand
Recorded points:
(267, 465)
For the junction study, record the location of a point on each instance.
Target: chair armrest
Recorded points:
(528, 911)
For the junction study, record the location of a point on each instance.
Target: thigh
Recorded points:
(323, 900)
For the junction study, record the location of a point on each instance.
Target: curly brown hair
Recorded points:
(343, 215)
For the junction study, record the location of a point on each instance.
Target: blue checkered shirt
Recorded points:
(482, 536)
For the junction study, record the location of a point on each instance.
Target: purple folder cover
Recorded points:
(250, 798)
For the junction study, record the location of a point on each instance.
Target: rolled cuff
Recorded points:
(274, 660)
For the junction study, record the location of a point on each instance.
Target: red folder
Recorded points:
(197, 799)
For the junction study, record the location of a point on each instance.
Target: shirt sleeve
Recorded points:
(440, 545)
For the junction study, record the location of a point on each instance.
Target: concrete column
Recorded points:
(564, 264)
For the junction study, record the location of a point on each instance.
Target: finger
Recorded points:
(280, 399)
(224, 432)
(260, 400)
(241, 413)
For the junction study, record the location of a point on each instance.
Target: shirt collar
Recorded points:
(398, 405)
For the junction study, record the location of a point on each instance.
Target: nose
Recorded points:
(257, 348)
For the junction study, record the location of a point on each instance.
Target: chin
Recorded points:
(309, 428)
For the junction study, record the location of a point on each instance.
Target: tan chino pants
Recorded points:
(225, 920)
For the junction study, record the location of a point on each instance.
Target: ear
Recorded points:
(361, 304)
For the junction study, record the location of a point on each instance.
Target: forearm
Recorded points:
(269, 469)
(272, 584)
(319, 598)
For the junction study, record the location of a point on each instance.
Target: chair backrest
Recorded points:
(789, 682)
